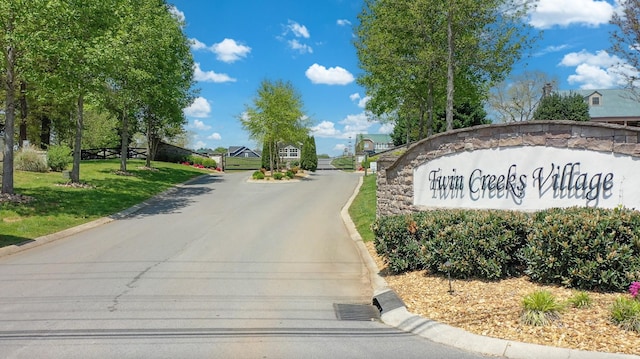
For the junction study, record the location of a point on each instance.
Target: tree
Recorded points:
(625, 40)
(82, 51)
(571, 107)
(516, 99)
(405, 46)
(151, 83)
(308, 157)
(276, 117)
(466, 114)
(20, 27)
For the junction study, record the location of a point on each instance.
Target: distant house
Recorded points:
(289, 153)
(611, 106)
(373, 143)
(242, 151)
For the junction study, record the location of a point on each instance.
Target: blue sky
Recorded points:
(238, 43)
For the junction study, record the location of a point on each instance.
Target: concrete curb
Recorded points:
(445, 334)
(12, 249)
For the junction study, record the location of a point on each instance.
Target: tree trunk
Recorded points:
(450, 69)
(430, 110)
(45, 132)
(10, 112)
(77, 147)
(124, 143)
(150, 149)
(23, 113)
(421, 122)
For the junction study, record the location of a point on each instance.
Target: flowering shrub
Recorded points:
(634, 289)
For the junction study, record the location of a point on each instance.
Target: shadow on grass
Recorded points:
(7, 240)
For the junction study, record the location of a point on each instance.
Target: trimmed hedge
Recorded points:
(583, 248)
(484, 244)
(586, 248)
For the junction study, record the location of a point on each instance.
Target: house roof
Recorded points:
(236, 150)
(376, 138)
(613, 103)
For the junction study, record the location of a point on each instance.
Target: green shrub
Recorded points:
(397, 242)
(290, 174)
(258, 175)
(278, 176)
(484, 244)
(209, 162)
(540, 308)
(580, 300)
(584, 248)
(481, 244)
(28, 159)
(59, 157)
(625, 312)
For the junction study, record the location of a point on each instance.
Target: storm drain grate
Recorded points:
(353, 312)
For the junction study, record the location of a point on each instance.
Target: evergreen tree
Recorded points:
(570, 107)
(309, 158)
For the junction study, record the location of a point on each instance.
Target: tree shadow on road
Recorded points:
(174, 199)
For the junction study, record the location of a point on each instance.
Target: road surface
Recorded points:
(218, 268)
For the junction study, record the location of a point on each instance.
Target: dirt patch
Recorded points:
(493, 309)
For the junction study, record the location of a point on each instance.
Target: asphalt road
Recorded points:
(218, 268)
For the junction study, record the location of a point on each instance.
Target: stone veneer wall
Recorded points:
(395, 170)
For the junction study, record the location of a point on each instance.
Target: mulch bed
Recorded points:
(493, 309)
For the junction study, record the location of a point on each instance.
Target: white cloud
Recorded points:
(297, 29)
(600, 58)
(596, 71)
(386, 128)
(550, 13)
(361, 101)
(339, 147)
(214, 136)
(200, 108)
(210, 76)
(325, 129)
(300, 47)
(228, 50)
(332, 76)
(177, 13)
(199, 145)
(355, 124)
(197, 44)
(199, 125)
(551, 49)
(343, 22)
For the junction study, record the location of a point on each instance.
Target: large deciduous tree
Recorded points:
(406, 46)
(516, 98)
(151, 83)
(276, 117)
(20, 27)
(625, 42)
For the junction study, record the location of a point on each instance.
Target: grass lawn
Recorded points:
(363, 208)
(57, 207)
(344, 163)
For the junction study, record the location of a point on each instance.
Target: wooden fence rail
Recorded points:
(109, 153)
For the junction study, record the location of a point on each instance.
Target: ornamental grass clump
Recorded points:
(581, 300)
(29, 159)
(625, 311)
(540, 308)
